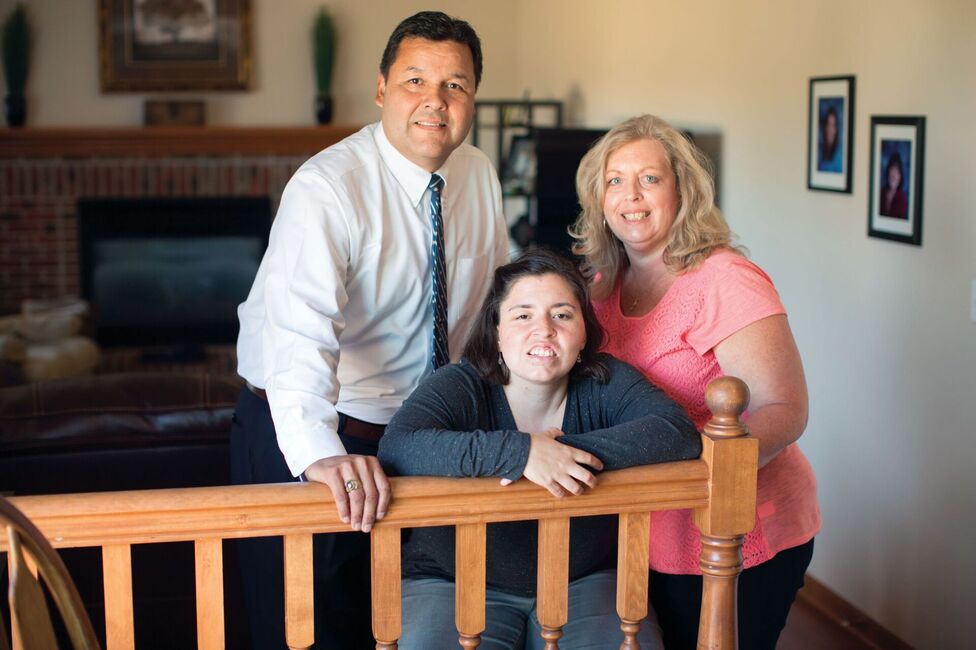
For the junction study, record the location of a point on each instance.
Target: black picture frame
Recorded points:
(829, 166)
(897, 144)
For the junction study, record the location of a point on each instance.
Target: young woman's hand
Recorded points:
(551, 432)
(557, 467)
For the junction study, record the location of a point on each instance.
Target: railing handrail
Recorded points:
(184, 514)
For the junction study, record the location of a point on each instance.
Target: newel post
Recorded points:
(732, 457)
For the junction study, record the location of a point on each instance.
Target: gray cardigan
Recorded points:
(457, 424)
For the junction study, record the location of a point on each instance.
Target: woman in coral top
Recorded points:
(685, 306)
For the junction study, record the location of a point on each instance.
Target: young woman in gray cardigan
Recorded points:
(532, 398)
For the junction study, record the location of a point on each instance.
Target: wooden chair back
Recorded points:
(31, 559)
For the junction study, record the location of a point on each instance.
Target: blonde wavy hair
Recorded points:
(698, 229)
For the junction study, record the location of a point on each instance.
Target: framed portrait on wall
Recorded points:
(830, 134)
(167, 45)
(897, 175)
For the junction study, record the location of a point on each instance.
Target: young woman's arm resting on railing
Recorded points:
(631, 422)
(455, 424)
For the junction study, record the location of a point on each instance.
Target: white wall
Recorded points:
(883, 327)
(63, 87)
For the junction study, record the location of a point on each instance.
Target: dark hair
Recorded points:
(481, 350)
(828, 148)
(433, 26)
(894, 161)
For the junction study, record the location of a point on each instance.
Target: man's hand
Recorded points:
(363, 506)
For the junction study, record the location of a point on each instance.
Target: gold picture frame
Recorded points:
(174, 44)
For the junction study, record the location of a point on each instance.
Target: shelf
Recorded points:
(85, 142)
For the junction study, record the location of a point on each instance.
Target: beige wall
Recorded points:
(63, 87)
(883, 327)
(884, 330)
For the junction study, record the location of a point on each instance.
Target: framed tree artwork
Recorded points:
(174, 44)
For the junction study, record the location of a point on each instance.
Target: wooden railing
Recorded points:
(720, 487)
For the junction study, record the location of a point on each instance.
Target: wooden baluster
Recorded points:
(552, 581)
(117, 578)
(299, 592)
(14, 634)
(210, 593)
(28, 563)
(3, 635)
(733, 459)
(29, 615)
(721, 564)
(633, 549)
(469, 584)
(385, 581)
(31, 565)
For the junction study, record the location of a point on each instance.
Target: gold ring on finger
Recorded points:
(352, 485)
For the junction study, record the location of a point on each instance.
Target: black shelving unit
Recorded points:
(512, 117)
(555, 206)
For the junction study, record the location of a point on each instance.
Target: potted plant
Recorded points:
(323, 49)
(16, 59)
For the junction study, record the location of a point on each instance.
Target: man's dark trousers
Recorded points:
(341, 560)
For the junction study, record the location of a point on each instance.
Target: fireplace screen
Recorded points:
(170, 272)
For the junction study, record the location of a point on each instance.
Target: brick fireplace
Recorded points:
(43, 173)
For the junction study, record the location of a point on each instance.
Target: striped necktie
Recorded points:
(439, 355)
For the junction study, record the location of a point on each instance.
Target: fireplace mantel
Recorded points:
(88, 142)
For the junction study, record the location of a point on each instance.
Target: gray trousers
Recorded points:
(428, 618)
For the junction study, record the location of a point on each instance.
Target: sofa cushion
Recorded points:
(128, 431)
(116, 411)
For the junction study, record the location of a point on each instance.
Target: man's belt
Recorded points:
(260, 392)
(348, 426)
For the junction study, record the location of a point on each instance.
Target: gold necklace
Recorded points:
(651, 290)
(633, 303)
(632, 307)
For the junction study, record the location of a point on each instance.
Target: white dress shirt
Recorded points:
(339, 318)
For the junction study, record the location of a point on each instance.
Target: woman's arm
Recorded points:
(764, 355)
(642, 424)
(440, 431)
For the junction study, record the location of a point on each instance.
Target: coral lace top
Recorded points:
(673, 345)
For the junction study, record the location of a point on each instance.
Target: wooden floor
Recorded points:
(808, 629)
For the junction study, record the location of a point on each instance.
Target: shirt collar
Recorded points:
(413, 179)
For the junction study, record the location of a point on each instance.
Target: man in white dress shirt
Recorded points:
(337, 329)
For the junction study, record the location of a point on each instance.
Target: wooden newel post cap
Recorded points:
(727, 399)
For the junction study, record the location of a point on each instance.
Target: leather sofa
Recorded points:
(124, 432)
